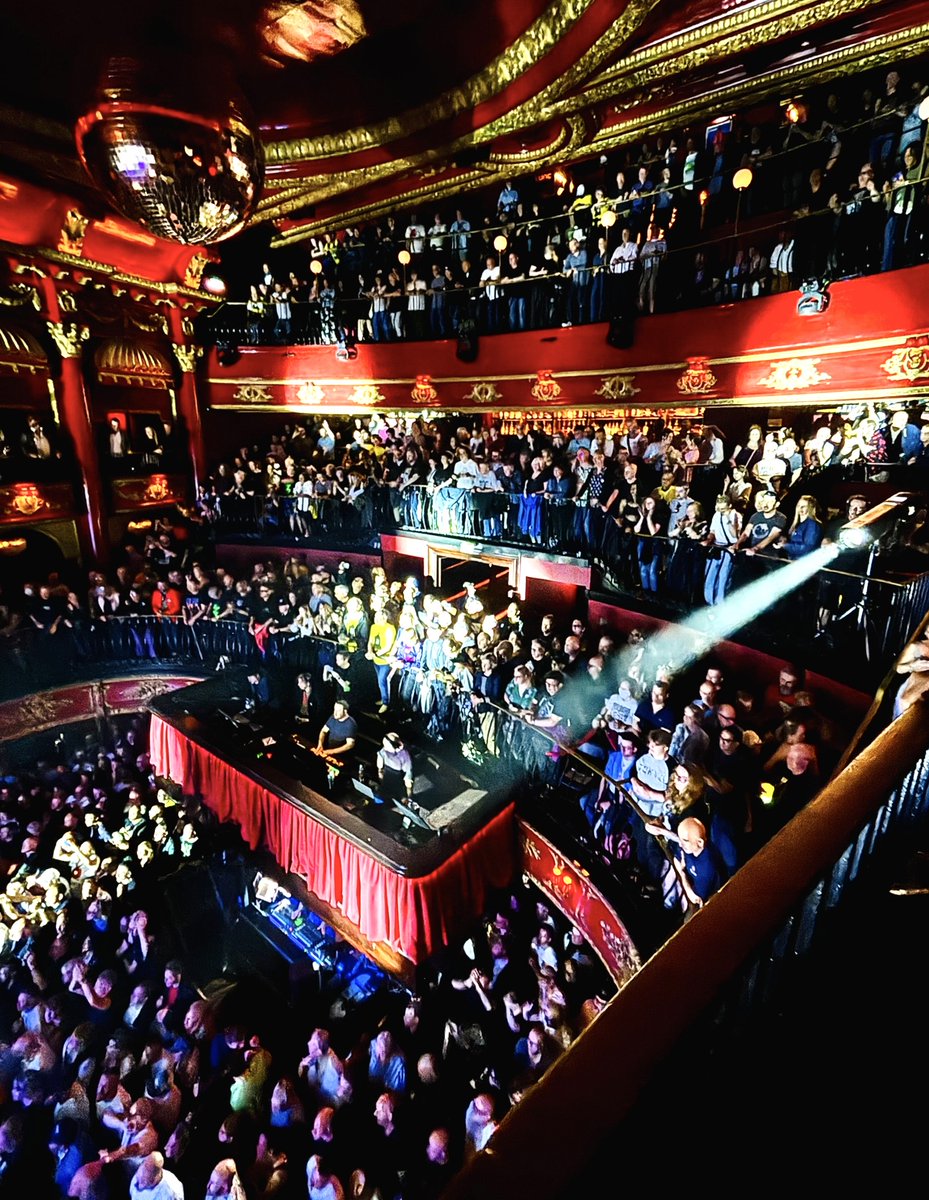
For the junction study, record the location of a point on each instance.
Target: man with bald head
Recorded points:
(152, 1182)
(431, 1176)
(699, 865)
(224, 1181)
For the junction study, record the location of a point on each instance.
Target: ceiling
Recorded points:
(366, 106)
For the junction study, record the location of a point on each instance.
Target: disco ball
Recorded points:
(185, 164)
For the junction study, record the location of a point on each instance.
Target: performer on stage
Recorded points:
(339, 734)
(259, 697)
(305, 701)
(395, 769)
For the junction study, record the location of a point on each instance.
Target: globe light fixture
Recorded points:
(608, 218)
(404, 258)
(316, 266)
(742, 179)
(170, 146)
(500, 243)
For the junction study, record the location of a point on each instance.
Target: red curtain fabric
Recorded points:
(417, 916)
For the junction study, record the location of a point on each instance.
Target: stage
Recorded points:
(411, 881)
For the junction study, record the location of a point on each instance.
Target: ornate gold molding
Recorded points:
(187, 357)
(849, 59)
(732, 33)
(368, 394)
(310, 393)
(494, 172)
(484, 392)
(794, 374)
(252, 393)
(521, 55)
(617, 387)
(908, 362)
(68, 338)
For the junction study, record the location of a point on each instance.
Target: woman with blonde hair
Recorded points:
(806, 530)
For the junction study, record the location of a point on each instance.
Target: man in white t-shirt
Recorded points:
(490, 280)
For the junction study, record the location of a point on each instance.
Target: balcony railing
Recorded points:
(869, 617)
(716, 977)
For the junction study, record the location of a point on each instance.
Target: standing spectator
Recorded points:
(650, 257)
(577, 271)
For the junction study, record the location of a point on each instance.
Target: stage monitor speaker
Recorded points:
(621, 332)
(467, 342)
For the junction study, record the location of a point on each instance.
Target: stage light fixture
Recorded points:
(872, 525)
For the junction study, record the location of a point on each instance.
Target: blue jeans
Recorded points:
(517, 313)
(382, 670)
(717, 578)
(380, 325)
(649, 570)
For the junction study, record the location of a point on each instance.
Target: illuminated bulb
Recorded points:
(500, 243)
(556, 870)
(792, 113)
(608, 218)
(742, 179)
(568, 880)
(316, 266)
(704, 196)
(404, 258)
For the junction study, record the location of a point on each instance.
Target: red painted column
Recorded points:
(188, 402)
(74, 412)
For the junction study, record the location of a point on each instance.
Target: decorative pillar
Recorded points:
(74, 410)
(188, 401)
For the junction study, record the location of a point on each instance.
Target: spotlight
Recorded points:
(872, 525)
(853, 538)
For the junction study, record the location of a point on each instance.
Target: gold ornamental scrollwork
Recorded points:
(422, 390)
(367, 394)
(310, 393)
(252, 393)
(187, 357)
(545, 390)
(908, 363)
(73, 229)
(194, 272)
(68, 338)
(617, 387)
(697, 379)
(484, 392)
(794, 374)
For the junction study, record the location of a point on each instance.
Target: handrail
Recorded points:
(888, 685)
(613, 1059)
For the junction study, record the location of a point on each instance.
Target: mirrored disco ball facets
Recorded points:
(188, 170)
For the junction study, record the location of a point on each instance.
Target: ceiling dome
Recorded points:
(121, 361)
(19, 351)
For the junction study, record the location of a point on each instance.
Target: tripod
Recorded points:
(859, 610)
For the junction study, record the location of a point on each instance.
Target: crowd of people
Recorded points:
(669, 510)
(837, 189)
(125, 1073)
